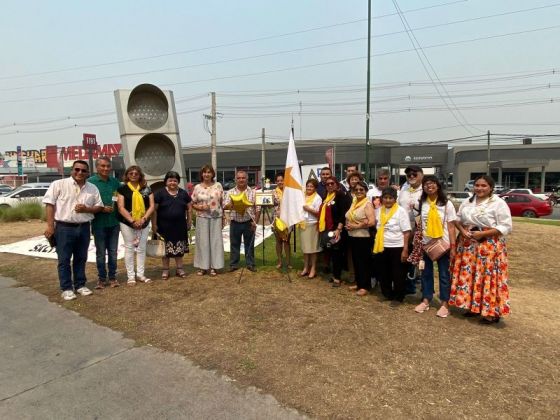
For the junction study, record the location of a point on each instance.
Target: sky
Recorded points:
(461, 68)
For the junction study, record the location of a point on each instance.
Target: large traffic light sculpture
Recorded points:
(149, 131)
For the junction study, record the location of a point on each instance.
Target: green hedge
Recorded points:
(24, 211)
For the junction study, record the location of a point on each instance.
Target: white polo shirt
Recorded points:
(65, 193)
(393, 236)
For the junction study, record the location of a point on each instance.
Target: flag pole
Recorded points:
(295, 227)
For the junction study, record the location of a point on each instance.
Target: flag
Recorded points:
(329, 155)
(293, 200)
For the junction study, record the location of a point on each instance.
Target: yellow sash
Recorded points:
(355, 206)
(328, 199)
(384, 217)
(138, 207)
(308, 201)
(240, 202)
(434, 226)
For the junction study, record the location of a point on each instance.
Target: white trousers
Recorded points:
(129, 235)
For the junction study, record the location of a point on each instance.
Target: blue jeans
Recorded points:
(72, 243)
(106, 243)
(236, 232)
(428, 278)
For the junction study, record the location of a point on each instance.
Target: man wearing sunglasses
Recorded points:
(70, 206)
(409, 198)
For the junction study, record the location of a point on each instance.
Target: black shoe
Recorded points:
(395, 304)
(232, 269)
(252, 268)
(470, 314)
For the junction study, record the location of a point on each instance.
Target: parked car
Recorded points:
(526, 191)
(5, 189)
(498, 188)
(527, 205)
(457, 197)
(23, 194)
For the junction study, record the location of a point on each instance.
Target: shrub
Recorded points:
(24, 211)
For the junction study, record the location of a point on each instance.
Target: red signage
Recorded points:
(90, 141)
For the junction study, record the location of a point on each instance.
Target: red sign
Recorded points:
(90, 141)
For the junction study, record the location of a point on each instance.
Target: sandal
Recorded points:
(131, 282)
(336, 283)
(201, 272)
(181, 273)
(303, 273)
(100, 285)
(353, 287)
(213, 272)
(114, 283)
(165, 274)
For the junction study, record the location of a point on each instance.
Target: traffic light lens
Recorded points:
(155, 154)
(147, 107)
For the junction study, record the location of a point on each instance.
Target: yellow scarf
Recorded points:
(138, 207)
(328, 199)
(434, 227)
(308, 201)
(384, 217)
(355, 206)
(279, 193)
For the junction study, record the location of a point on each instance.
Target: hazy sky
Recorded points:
(498, 61)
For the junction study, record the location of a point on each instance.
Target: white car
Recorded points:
(24, 194)
(526, 191)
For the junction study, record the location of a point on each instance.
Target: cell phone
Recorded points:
(52, 241)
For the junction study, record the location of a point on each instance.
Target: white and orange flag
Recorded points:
(293, 199)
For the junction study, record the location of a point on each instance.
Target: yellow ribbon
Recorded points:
(384, 217)
(138, 207)
(328, 199)
(434, 226)
(355, 206)
(308, 201)
(240, 202)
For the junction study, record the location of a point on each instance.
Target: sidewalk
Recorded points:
(58, 365)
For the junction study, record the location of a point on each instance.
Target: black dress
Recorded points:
(171, 221)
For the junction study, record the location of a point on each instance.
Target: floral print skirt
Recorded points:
(176, 248)
(480, 277)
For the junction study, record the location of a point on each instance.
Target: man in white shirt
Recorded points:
(381, 182)
(70, 206)
(409, 198)
(350, 170)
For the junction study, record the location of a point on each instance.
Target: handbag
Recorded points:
(436, 248)
(155, 247)
(328, 241)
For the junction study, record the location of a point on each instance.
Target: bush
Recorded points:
(24, 211)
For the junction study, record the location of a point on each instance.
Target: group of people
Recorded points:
(391, 235)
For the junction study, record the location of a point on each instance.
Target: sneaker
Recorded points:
(68, 295)
(422, 307)
(84, 291)
(252, 268)
(144, 279)
(442, 312)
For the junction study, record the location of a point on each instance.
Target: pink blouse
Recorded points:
(212, 196)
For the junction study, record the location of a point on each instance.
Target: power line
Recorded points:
(228, 44)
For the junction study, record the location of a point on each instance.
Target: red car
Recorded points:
(527, 205)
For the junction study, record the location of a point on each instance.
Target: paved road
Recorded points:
(555, 214)
(58, 365)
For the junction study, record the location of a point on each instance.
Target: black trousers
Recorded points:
(362, 260)
(392, 273)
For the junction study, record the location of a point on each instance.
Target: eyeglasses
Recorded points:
(330, 183)
(359, 190)
(134, 173)
(412, 174)
(382, 178)
(84, 171)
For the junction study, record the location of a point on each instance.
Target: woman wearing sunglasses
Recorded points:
(332, 218)
(136, 205)
(359, 218)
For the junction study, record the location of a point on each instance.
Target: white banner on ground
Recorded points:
(258, 237)
(38, 246)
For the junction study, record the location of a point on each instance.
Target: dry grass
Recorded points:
(333, 355)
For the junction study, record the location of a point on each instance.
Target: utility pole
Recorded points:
(368, 89)
(488, 155)
(263, 158)
(213, 134)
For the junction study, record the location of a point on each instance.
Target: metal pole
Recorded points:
(368, 89)
(90, 158)
(263, 158)
(488, 156)
(213, 134)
